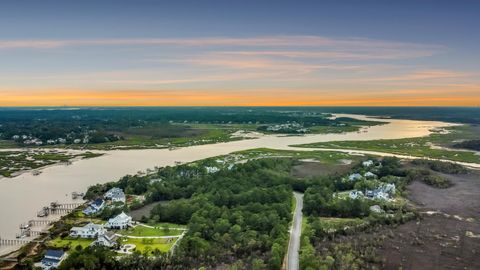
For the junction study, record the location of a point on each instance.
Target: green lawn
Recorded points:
(69, 242)
(143, 245)
(7, 144)
(146, 231)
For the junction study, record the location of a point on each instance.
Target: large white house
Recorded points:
(367, 163)
(122, 221)
(88, 231)
(115, 195)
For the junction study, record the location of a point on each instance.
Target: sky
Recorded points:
(239, 53)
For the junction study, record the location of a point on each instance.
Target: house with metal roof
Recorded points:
(108, 239)
(94, 207)
(52, 259)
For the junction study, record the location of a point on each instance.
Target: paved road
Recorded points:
(295, 233)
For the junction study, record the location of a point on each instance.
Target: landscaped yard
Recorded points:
(69, 242)
(151, 244)
(157, 230)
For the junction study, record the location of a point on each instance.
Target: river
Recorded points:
(22, 196)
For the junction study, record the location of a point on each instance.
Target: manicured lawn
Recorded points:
(69, 242)
(142, 245)
(146, 231)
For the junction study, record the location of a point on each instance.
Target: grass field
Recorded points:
(69, 242)
(158, 230)
(333, 223)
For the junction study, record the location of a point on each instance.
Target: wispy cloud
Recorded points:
(341, 44)
(425, 75)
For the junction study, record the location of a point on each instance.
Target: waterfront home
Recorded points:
(52, 259)
(355, 177)
(367, 163)
(122, 221)
(370, 175)
(108, 239)
(94, 207)
(115, 195)
(88, 231)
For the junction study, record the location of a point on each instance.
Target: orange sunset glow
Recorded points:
(264, 97)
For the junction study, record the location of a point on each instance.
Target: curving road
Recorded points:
(295, 234)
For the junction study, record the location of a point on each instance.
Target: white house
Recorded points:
(115, 195)
(108, 239)
(367, 163)
(212, 169)
(355, 194)
(88, 231)
(355, 177)
(122, 221)
(52, 259)
(94, 207)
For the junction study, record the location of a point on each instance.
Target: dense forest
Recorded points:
(470, 144)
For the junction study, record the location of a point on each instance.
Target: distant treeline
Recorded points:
(470, 115)
(472, 145)
(108, 124)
